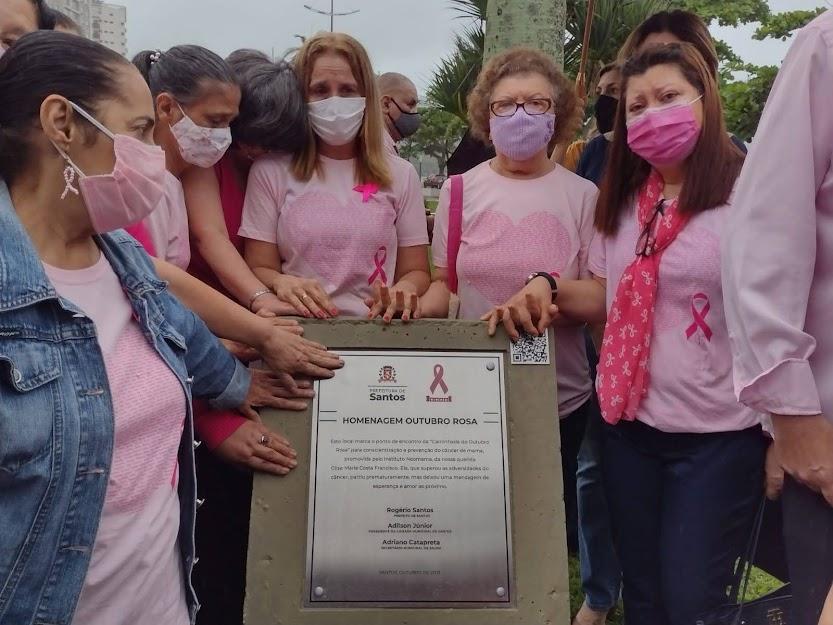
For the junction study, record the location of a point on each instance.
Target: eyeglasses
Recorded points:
(645, 242)
(507, 108)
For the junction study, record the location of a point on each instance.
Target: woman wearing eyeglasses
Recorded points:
(683, 460)
(521, 213)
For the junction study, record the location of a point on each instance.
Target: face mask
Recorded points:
(605, 113)
(337, 120)
(408, 123)
(666, 135)
(199, 145)
(521, 136)
(129, 194)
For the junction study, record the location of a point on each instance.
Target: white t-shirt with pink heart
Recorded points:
(512, 228)
(332, 229)
(690, 363)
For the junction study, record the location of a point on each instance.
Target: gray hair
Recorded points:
(273, 110)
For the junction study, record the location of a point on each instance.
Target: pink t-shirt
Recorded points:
(512, 228)
(328, 231)
(168, 225)
(690, 364)
(135, 574)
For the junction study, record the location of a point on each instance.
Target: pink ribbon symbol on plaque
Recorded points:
(379, 260)
(368, 190)
(700, 315)
(439, 372)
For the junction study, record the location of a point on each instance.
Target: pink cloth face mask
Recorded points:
(666, 135)
(200, 146)
(521, 136)
(129, 194)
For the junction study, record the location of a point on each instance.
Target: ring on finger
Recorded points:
(264, 440)
(305, 296)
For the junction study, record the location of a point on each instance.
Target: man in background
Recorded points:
(399, 106)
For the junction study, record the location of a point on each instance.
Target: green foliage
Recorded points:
(438, 135)
(612, 23)
(743, 100)
(726, 13)
(456, 75)
(745, 87)
(782, 25)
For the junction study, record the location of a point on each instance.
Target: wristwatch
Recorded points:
(549, 278)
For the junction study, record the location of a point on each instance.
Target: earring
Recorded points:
(69, 178)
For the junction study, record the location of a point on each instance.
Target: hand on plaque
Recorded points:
(256, 447)
(399, 301)
(270, 390)
(530, 310)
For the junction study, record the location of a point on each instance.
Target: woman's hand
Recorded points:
(774, 473)
(288, 354)
(256, 447)
(243, 353)
(270, 306)
(400, 300)
(306, 297)
(531, 309)
(270, 390)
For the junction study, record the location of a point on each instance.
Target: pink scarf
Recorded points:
(623, 377)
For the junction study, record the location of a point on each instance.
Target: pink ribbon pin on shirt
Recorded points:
(700, 315)
(379, 261)
(368, 190)
(439, 382)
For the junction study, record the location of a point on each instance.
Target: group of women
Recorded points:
(257, 190)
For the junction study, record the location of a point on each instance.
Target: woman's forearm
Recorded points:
(436, 301)
(225, 318)
(229, 267)
(582, 300)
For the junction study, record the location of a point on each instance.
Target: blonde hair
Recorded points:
(371, 159)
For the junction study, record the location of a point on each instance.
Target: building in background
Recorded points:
(101, 21)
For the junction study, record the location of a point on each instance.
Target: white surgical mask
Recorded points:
(199, 145)
(337, 120)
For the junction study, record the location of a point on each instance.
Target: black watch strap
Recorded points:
(549, 278)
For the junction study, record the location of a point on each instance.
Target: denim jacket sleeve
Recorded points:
(217, 375)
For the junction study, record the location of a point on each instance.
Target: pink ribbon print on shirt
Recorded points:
(700, 307)
(368, 190)
(379, 259)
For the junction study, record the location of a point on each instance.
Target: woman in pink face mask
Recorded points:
(196, 98)
(683, 461)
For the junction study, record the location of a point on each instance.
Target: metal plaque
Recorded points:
(409, 484)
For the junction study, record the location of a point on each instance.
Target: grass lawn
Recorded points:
(759, 585)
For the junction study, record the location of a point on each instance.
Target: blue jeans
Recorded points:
(601, 576)
(682, 507)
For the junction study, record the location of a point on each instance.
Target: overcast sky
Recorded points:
(407, 36)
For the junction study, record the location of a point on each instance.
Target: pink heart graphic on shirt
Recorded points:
(341, 241)
(500, 254)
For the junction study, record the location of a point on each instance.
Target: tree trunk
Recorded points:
(537, 24)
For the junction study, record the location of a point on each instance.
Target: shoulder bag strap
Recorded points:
(455, 229)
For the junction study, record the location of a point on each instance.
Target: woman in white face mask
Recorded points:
(339, 228)
(196, 98)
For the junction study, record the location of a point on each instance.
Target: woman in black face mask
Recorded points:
(607, 98)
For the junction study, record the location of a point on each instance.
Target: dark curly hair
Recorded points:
(524, 61)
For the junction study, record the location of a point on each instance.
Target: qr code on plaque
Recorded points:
(531, 350)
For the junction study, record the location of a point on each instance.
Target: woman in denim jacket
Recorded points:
(98, 362)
